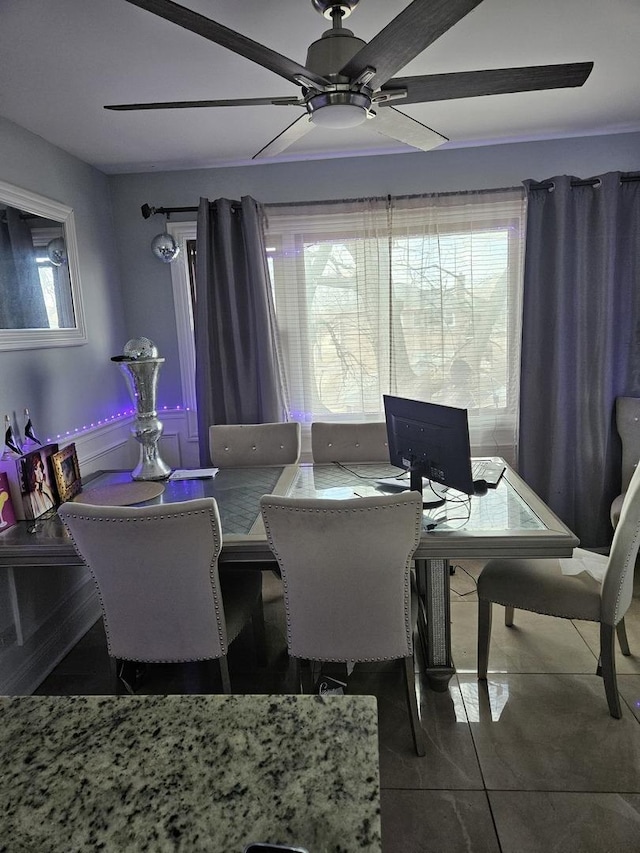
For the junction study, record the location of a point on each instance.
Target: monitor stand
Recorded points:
(431, 499)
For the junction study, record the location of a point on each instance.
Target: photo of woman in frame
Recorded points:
(38, 491)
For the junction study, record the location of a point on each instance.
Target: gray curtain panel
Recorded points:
(238, 374)
(580, 344)
(64, 302)
(21, 299)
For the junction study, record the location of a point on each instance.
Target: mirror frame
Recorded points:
(16, 339)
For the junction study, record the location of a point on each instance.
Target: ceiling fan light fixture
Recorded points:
(339, 116)
(339, 109)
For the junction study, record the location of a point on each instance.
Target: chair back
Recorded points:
(628, 426)
(156, 569)
(617, 584)
(346, 567)
(254, 445)
(350, 442)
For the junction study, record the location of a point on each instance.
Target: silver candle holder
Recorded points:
(140, 366)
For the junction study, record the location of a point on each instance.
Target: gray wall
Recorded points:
(147, 282)
(67, 387)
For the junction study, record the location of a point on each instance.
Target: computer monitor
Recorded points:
(430, 441)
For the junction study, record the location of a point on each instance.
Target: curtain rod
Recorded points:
(148, 211)
(586, 182)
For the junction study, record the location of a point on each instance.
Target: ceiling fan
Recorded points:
(346, 81)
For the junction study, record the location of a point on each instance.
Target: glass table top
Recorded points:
(237, 492)
(510, 519)
(502, 508)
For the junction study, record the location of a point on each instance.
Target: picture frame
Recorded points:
(37, 485)
(7, 510)
(67, 472)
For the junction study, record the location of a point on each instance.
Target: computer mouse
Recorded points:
(480, 487)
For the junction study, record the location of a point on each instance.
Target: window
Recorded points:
(419, 297)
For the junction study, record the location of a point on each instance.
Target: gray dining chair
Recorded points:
(156, 570)
(346, 569)
(540, 585)
(254, 445)
(628, 426)
(349, 442)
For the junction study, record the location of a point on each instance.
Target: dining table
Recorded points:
(508, 521)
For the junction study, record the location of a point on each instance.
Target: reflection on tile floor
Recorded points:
(531, 762)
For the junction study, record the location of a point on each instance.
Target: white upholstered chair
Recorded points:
(349, 442)
(254, 445)
(156, 570)
(541, 586)
(347, 578)
(628, 425)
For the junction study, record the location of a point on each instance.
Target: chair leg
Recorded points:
(259, 633)
(129, 675)
(484, 637)
(608, 666)
(224, 674)
(621, 631)
(294, 664)
(302, 675)
(307, 676)
(508, 616)
(115, 665)
(412, 702)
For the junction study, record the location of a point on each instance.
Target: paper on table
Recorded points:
(193, 473)
(584, 561)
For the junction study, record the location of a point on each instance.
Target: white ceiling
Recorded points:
(62, 60)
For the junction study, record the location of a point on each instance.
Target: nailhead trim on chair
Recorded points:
(216, 601)
(531, 610)
(626, 567)
(407, 584)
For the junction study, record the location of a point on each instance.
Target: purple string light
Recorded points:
(125, 414)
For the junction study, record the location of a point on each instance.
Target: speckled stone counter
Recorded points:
(188, 773)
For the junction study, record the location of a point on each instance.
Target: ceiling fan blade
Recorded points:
(233, 102)
(500, 81)
(218, 33)
(299, 128)
(397, 125)
(407, 35)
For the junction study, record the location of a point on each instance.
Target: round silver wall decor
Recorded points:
(165, 248)
(57, 251)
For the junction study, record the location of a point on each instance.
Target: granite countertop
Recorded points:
(188, 773)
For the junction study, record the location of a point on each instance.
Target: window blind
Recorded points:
(417, 296)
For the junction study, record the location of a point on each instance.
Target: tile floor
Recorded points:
(531, 763)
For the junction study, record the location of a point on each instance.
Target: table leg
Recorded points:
(432, 578)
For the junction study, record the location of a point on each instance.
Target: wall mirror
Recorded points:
(40, 297)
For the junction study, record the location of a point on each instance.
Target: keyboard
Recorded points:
(487, 470)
